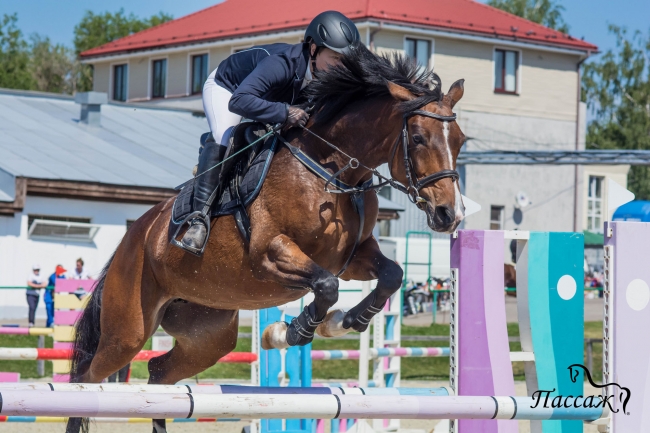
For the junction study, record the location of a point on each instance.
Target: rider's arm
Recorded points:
(247, 100)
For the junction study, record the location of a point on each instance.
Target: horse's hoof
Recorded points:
(275, 336)
(332, 325)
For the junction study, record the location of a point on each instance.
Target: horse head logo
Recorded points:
(624, 391)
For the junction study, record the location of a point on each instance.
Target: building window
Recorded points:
(496, 217)
(506, 65)
(419, 50)
(384, 227)
(129, 223)
(119, 82)
(60, 228)
(199, 72)
(595, 204)
(159, 78)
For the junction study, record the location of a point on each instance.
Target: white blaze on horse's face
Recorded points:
(459, 206)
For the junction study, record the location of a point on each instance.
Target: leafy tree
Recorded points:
(52, 66)
(617, 90)
(98, 29)
(14, 56)
(546, 12)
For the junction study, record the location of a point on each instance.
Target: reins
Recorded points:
(414, 184)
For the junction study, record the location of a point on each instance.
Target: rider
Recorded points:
(261, 83)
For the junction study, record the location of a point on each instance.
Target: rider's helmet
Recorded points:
(332, 30)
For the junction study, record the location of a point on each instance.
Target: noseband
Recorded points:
(412, 190)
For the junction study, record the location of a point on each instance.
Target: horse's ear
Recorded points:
(398, 92)
(455, 92)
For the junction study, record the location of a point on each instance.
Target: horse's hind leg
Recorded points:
(368, 264)
(203, 336)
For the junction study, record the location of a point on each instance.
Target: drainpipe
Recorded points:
(577, 145)
(371, 44)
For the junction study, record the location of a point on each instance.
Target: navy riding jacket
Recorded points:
(263, 80)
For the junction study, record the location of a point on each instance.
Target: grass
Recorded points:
(412, 368)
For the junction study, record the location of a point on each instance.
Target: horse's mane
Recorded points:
(365, 75)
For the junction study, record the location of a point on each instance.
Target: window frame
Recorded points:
(518, 64)
(112, 81)
(151, 77)
(65, 223)
(190, 71)
(431, 41)
(502, 214)
(592, 215)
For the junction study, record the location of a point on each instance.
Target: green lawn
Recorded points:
(412, 368)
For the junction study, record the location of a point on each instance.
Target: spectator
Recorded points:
(59, 272)
(78, 273)
(35, 282)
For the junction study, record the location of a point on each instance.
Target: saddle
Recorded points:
(240, 181)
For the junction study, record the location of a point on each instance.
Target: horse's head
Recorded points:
(433, 146)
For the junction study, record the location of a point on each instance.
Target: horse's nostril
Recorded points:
(445, 215)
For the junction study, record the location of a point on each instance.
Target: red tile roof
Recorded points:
(237, 18)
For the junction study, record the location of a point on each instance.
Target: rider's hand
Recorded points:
(296, 117)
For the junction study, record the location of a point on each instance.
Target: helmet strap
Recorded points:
(313, 59)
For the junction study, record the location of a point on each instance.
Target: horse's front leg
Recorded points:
(283, 262)
(368, 264)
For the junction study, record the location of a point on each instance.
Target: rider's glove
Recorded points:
(295, 117)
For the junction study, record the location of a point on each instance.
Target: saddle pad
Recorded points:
(250, 187)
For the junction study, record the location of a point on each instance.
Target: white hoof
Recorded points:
(275, 336)
(332, 325)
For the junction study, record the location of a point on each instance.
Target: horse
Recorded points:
(370, 111)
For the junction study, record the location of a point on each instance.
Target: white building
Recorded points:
(70, 185)
(69, 189)
(521, 90)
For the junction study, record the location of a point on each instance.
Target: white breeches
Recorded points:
(215, 105)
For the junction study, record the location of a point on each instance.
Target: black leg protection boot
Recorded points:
(205, 186)
(301, 330)
(360, 316)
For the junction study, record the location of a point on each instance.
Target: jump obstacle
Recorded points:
(626, 362)
(14, 330)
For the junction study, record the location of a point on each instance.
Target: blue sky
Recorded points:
(57, 18)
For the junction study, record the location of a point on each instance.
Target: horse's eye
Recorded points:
(417, 139)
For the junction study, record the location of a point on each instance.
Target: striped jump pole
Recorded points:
(405, 352)
(283, 406)
(10, 330)
(214, 389)
(34, 354)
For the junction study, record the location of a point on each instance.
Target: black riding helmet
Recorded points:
(332, 30)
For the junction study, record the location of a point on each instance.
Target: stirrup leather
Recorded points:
(188, 221)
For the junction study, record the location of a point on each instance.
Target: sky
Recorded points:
(57, 18)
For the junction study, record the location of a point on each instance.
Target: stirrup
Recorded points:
(188, 221)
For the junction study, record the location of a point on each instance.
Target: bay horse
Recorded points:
(375, 110)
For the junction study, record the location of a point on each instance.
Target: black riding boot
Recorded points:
(205, 186)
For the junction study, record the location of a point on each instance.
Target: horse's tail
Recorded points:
(87, 330)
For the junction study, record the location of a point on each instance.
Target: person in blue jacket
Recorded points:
(261, 83)
(59, 272)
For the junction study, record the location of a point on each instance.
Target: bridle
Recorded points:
(412, 190)
(414, 185)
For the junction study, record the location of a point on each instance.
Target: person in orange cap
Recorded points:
(59, 272)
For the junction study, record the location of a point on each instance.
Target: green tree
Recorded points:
(14, 56)
(52, 66)
(546, 12)
(617, 90)
(98, 29)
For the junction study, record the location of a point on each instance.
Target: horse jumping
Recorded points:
(376, 111)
